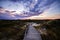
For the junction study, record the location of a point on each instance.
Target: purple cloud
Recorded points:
(26, 7)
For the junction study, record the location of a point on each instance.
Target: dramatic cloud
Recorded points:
(20, 9)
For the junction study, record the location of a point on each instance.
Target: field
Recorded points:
(15, 29)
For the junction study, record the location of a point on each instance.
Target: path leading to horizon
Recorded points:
(32, 34)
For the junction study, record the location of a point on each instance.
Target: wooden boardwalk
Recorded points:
(32, 34)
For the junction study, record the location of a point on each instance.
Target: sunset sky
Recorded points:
(29, 9)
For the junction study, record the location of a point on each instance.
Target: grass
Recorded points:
(15, 29)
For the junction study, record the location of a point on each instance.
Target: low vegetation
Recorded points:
(49, 30)
(15, 29)
(11, 30)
